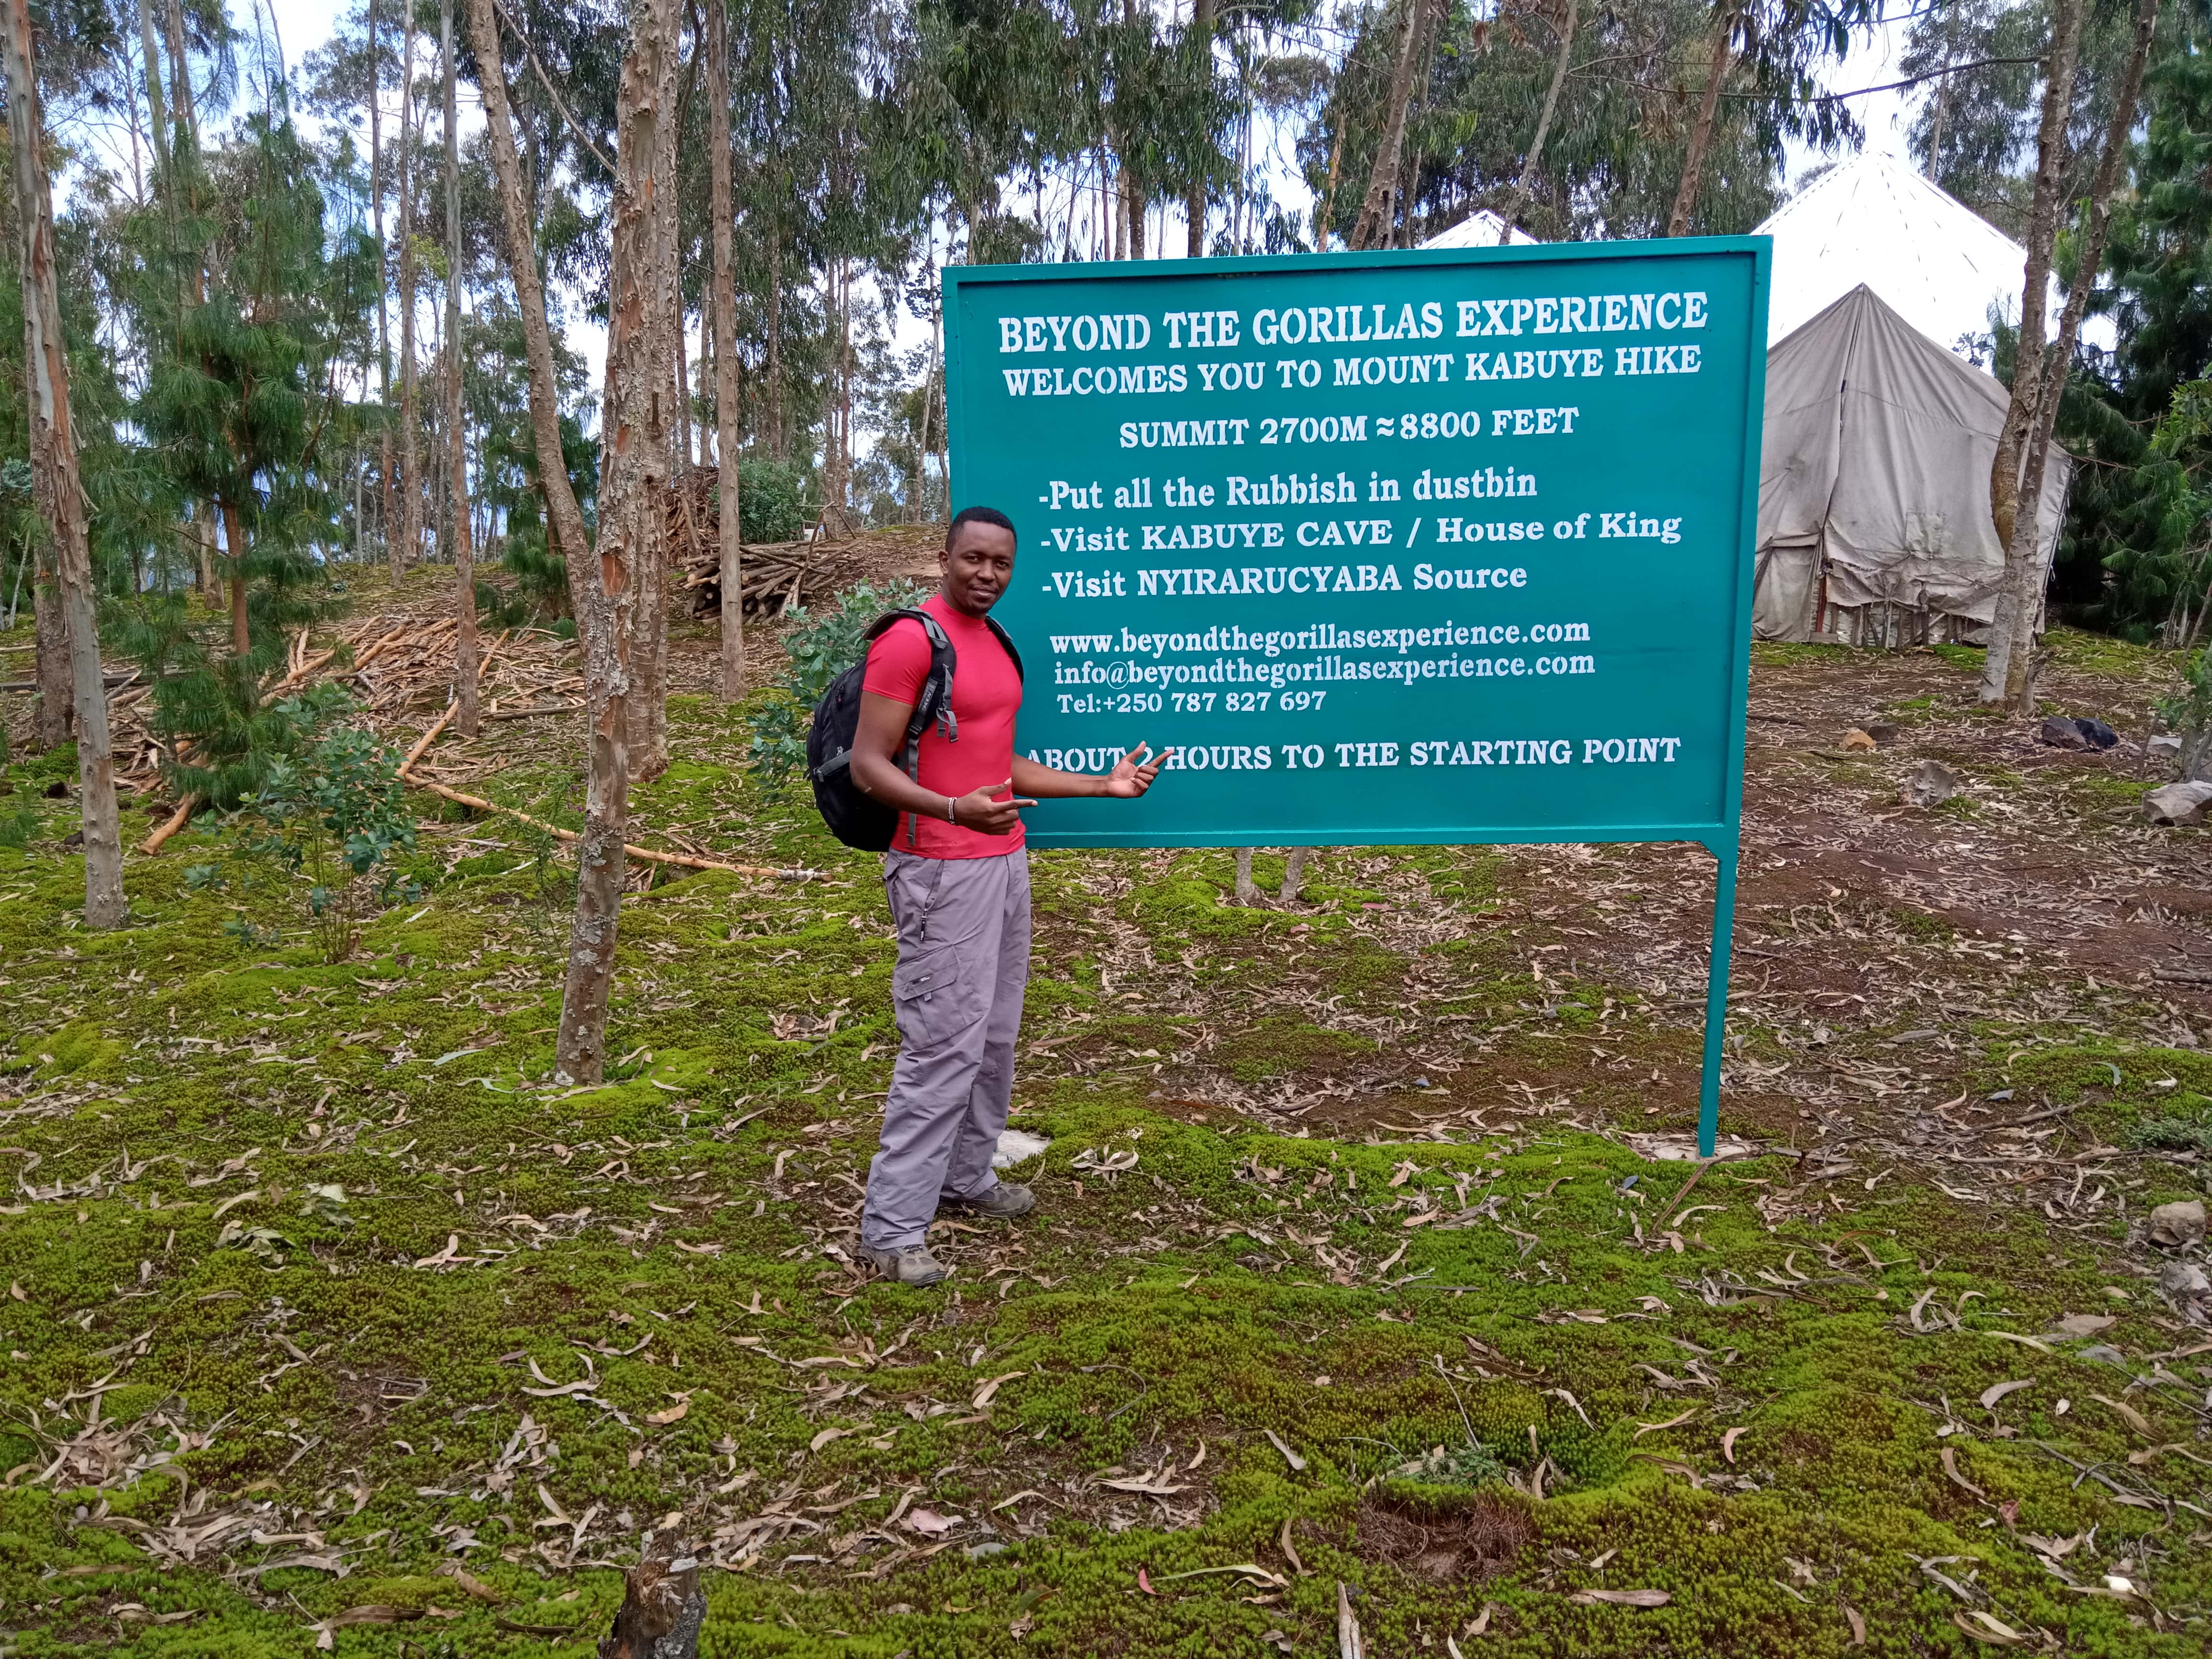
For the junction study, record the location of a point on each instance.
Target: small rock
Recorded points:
(2084, 1324)
(2104, 1354)
(2060, 733)
(1017, 1147)
(1930, 784)
(1855, 739)
(989, 1546)
(2166, 745)
(2178, 1224)
(2180, 1278)
(2178, 803)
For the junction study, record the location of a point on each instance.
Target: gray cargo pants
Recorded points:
(963, 959)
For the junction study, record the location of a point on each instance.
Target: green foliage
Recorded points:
(327, 818)
(820, 646)
(771, 499)
(2189, 712)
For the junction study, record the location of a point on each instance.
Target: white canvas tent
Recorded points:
(1873, 220)
(1873, 488)
(1479, 230)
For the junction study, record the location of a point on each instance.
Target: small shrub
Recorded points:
(771, 500)
(2189, 712)
(820, 645)
(332, 817)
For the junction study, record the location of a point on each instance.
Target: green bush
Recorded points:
(771, 500)
(331, 817)
(2189, 712)
(820, 645)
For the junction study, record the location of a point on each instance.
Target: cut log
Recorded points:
(662, 1610)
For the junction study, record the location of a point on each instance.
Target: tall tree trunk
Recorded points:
(630, 522)
(2023, 553)
(773, 373)
(726, 353)
(157, 115)
(1377, 213)
(681, 408)
(457, 447)
(1201, 34)
(55, 482)
(383, 293)
(50, 727)
(564, 518)
(649, 708)
(204, 541)
(2027, 374)
(410, 477)
(1518, 202)
(1701, 133)
(234, 535)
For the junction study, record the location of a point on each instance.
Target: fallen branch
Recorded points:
(646, 853)
(176, 820)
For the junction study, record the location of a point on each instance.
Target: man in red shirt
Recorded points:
(959, 882)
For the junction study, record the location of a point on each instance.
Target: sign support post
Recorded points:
(1725, 857)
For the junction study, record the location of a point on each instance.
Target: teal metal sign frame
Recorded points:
(1435, 546)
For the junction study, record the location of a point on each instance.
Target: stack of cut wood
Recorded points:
(779, 574)
(402, 666)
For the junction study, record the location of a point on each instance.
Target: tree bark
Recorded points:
(2027, 374)
(1372, 229)
(383, 291)
(2023, 554)
(157, 115)
(234, 535)
(774, 375)
(1201, 32)
(1701, 133)
(1518, 202)
(648, 707)
(630, 525)
(465, 570)
(56, 484)
(49, 727)
(564, 518)
(726, 354)
(410, 482)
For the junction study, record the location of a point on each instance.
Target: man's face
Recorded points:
(977, 566)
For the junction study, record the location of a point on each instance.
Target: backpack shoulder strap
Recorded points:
(1006, 641)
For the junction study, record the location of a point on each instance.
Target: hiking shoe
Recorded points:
(913, 1265)
(1003, 1199)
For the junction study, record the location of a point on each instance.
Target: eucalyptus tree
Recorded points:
(56, 485)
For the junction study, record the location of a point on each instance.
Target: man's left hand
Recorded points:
(1135, 774)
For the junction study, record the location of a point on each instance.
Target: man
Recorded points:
(959, 882)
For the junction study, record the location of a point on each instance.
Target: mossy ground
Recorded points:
(1384, 1201)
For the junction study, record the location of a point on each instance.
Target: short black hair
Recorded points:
(990, 515)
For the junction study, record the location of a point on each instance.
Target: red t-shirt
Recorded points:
(987, 693)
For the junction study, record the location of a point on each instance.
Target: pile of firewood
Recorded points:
(402, 666)
(778, 574)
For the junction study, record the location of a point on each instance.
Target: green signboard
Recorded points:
(1427, 546)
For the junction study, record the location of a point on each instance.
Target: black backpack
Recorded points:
(860, 820)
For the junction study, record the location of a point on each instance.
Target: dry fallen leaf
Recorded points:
(929, 1522)
(471, 1585)
(675, 1413)
(1635, 1598)
(1642, 1429)
(1986, 1627)
(983, 1394)
(1858, 1624)
(827, 1436)
(1728, 1442)
(1951, 1468)
(1297, 1463)
(2134, 1419)
(1997, 1391)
